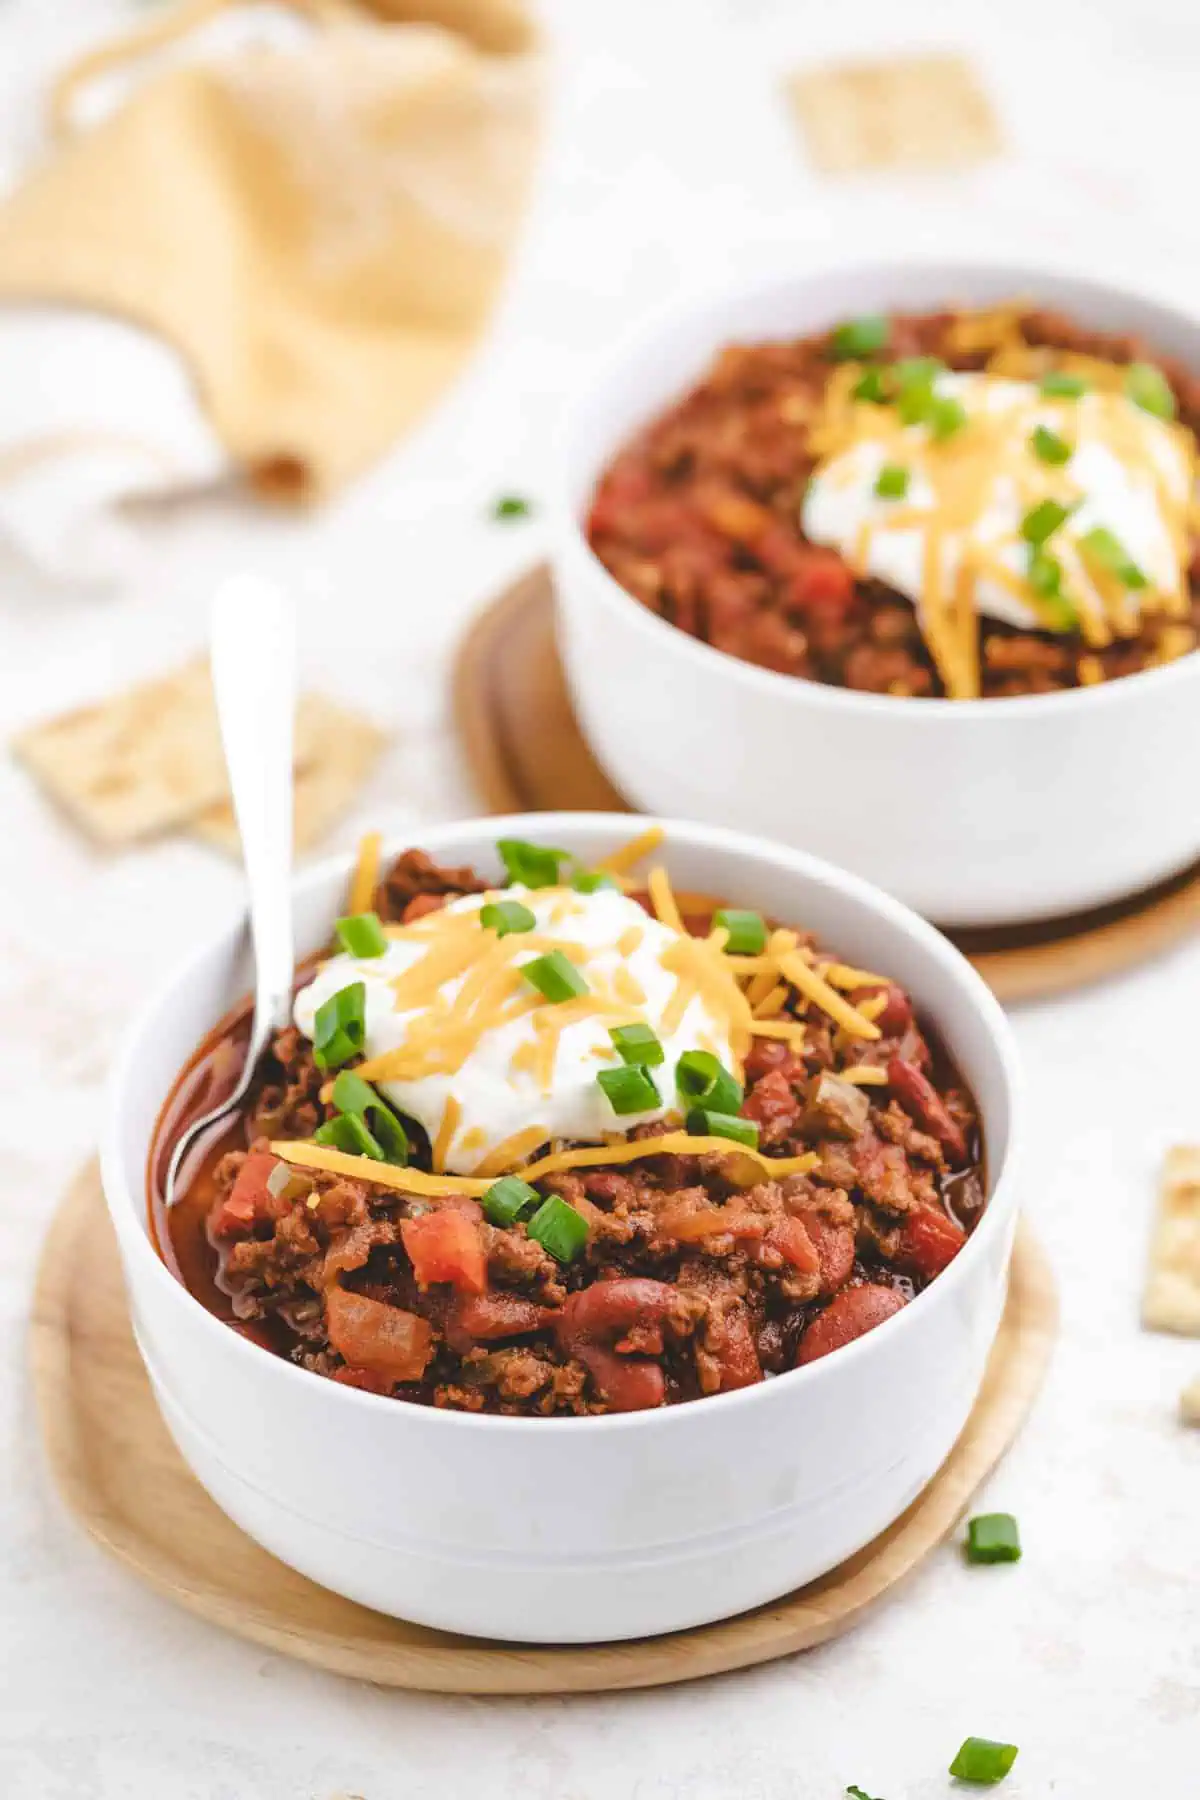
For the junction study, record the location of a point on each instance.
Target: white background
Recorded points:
(671, 157)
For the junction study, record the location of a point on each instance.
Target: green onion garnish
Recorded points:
(507, 1199)
(860, 337)
(891, 484)
(555, 977)
(361, 935)
(358, 1099)
(503, 916)
(340, 1026)
(914, 404)
(704, 1082)
(1045, 573)
(917, 371)
(702, 1123)
(747, 930)
(983, 1761)
(1056, 384)
(856, 1793)
(1101, 545)
(511, 506)
(558, 1228)
(1149, 388)
(1043, 520)
(348, 1132)
(590, 881)
(1049, 447)
(637, 1044)
(993, 1538)
(629, 1090)
(945, 417)
(873, 386)
(533, 865)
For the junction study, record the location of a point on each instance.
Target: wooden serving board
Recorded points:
(120, 1473)
(527, 754)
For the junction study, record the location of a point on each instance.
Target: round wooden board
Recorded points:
(527, 754)
(121, 1474)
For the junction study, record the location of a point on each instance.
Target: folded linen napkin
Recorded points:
(265, 238)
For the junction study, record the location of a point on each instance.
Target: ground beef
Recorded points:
(699, 519)
(698, 1277)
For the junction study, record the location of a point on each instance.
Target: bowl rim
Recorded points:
(1003, 1181)
(567, 522)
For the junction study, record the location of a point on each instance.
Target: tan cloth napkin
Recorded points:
(320, 230)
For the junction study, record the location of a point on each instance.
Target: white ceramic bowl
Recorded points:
(577, 1529)
(975, 812)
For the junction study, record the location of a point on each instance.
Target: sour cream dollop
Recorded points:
(1129, 473)
(503, 1091)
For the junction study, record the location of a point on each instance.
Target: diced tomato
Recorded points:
(445, 1246)
(825, 581)
(795, 1246)
(918, 1096)
(853, 1313)
(385, 1341)
(249, 1201)
(930, 1241)
(772, 1103)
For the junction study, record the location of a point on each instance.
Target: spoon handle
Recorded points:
(253, 653)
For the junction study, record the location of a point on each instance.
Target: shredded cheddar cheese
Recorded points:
(620, 861)
(862, 1075)
(365, 879)
(814, 988)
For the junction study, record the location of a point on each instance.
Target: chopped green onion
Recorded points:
(533, 865)
(1045, 578)
(993, 1538)
(945, 417)
(590, 881)
(873, 386)
(1056, 384)
(1101, 545)
(856, 1793)
(507, 1199)
(629, 1090)
(511, 506)
(357, 1098)
(891, 484)
(347, 1132)
(1149, 388)
(702, 1123)
(983, 1761)
(1043, 520)
(558, 1228)
(637, 1044)
(917, 371)
(747, 930)
(340, 1026)
(914, 405)
(503, 916)
(1045, 573)
(860, 337)
(1049, 447)
(704, 1082)
(555, 977)
(361, 935)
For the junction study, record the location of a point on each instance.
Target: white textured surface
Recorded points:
(669, 140)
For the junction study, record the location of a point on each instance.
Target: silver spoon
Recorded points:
(252, 645)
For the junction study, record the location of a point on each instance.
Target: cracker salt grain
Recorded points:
(1171, 1298)
(903, 112)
